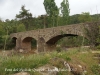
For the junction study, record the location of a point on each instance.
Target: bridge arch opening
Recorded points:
(66, 40)
(29, 43)
(13, 42)
(54, 39)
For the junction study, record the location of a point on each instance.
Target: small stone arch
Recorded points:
(29, 36)
(26, 43)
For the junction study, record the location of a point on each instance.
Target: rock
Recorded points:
(77, 69)
(22, 73)
(48, 70)
(67, 66)
(58, 62)
(21, 50)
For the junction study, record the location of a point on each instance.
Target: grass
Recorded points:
(22, 62)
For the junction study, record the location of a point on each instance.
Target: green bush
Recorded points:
(98, 47)
(58, 49)
(96, 69)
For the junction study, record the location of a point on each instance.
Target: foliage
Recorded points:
(1, 28)
(95, 17)
(25, 17)
(51, 8)
(33, 43)
(96, 69)
(52, 11)
(72, 41)
(85, 17)
(65, 11)
(98, 39)
(74, 19)
(20, 28)
(58, 49)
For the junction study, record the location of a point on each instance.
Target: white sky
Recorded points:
(9, 8)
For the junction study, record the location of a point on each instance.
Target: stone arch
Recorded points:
(51, 42)
(54, 39)
(26, 43)
(64, 33)
(23, 37)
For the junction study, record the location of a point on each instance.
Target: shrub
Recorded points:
(98, 47)
(58, 49)
(96, 69)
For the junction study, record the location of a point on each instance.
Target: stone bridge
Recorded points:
(46, 38)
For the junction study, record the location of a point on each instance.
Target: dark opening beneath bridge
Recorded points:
(56, 38)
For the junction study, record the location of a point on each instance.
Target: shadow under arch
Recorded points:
(54, 39)
(28, 43)
(13, 42)
(52, 42)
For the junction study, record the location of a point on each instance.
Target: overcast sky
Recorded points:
(9, 8)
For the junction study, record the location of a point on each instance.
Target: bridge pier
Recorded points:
(41, 45)
(25, 45)
(18, 43)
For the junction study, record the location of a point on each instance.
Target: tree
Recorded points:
(51, 10)
(85, 17)
(65, 11)
(1, 34)
(95, 17)
(1, 28)
(25, 17)
(98, 39)
(20, 28)
(74, 19)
